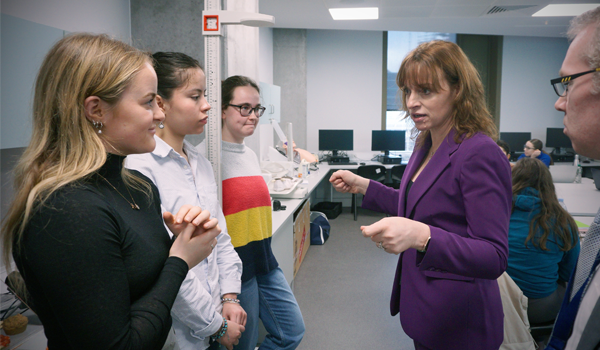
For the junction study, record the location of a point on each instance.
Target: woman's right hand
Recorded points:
(232, 335)
(347, 181)
(196, 234)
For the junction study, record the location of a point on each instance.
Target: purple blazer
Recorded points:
(449, 297)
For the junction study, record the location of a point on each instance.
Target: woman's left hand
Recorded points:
(536, 153)
(234, 312)
(396, 234)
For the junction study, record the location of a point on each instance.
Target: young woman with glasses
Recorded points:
(534, 149)
(247, 206)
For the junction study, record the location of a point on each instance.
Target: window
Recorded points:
(399, 45)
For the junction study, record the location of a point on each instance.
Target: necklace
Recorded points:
(134, 206)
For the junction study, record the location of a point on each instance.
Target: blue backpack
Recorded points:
(319, 228)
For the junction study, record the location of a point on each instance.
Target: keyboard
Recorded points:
(337, 163)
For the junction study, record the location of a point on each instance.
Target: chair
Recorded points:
(517, 334)
(371, 172)
(541, 330)
(396, 175)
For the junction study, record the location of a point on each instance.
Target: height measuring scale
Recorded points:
(212, 20)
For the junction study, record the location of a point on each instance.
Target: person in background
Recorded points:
(87, 235)
(207, 301)
(578, 88)
(534, 149)
(247, 207)
(451, 212)
(543, 241)
(299, 154)
(505, 149)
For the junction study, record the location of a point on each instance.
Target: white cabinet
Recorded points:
(270, 96)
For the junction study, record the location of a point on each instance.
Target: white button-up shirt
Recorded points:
(197, 308)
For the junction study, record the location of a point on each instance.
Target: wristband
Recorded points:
(230, 300)
(425, 245)
(221, 332)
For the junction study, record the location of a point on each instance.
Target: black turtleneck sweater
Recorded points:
(98, 272)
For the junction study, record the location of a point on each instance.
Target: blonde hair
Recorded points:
(64, 145)
(431, 61)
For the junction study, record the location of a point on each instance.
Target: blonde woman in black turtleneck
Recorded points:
(87, 235)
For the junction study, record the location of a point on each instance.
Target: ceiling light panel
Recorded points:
(358, 13)
(564, 10)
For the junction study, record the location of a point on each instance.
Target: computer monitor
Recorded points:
(556, 138)
(388, 140)
(516, 140)
(336, 140)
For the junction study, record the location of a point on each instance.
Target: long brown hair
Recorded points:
(64, 145)
(531, 172)
(431, 61)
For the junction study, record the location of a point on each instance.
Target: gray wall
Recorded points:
(164, 25)
(527, 102)
(344, 89)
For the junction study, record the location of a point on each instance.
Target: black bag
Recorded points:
(319, 228)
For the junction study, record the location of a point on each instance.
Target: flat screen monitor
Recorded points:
(388, 140)
(556, 138)
(336, 140)
(516, 140)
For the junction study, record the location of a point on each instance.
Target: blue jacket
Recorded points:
(543, 157)
(534, 270)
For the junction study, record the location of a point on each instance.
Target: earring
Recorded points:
(98, 125)
(161, 125)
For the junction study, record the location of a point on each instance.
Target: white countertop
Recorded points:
(315, 177)
(581, 199)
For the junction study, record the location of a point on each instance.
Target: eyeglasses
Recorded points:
(528, 148)
(246, 110)
(561, 85)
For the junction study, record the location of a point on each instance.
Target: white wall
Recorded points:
(265, 55)
(344, 72)
(29, 29)
(527, 98)
(106, 16)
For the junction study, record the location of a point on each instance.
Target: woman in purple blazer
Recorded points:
(452, 210)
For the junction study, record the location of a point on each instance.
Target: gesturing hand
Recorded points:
(396, 234)
(347, 181)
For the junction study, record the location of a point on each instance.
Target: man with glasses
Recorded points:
(578, 323)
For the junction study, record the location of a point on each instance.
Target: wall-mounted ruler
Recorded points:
(212, 23)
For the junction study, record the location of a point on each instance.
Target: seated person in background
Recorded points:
(533, 149)
(299, 154)
(505, 149)
(543, 240)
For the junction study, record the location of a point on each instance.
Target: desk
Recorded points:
(282, 242)
(355, 166)
(581, 199)
(587, 168)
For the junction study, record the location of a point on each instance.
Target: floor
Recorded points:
(343, 289)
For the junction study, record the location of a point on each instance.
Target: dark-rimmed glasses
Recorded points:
(561, 85)
(246, 110)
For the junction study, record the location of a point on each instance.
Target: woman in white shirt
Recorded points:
(206, 312)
